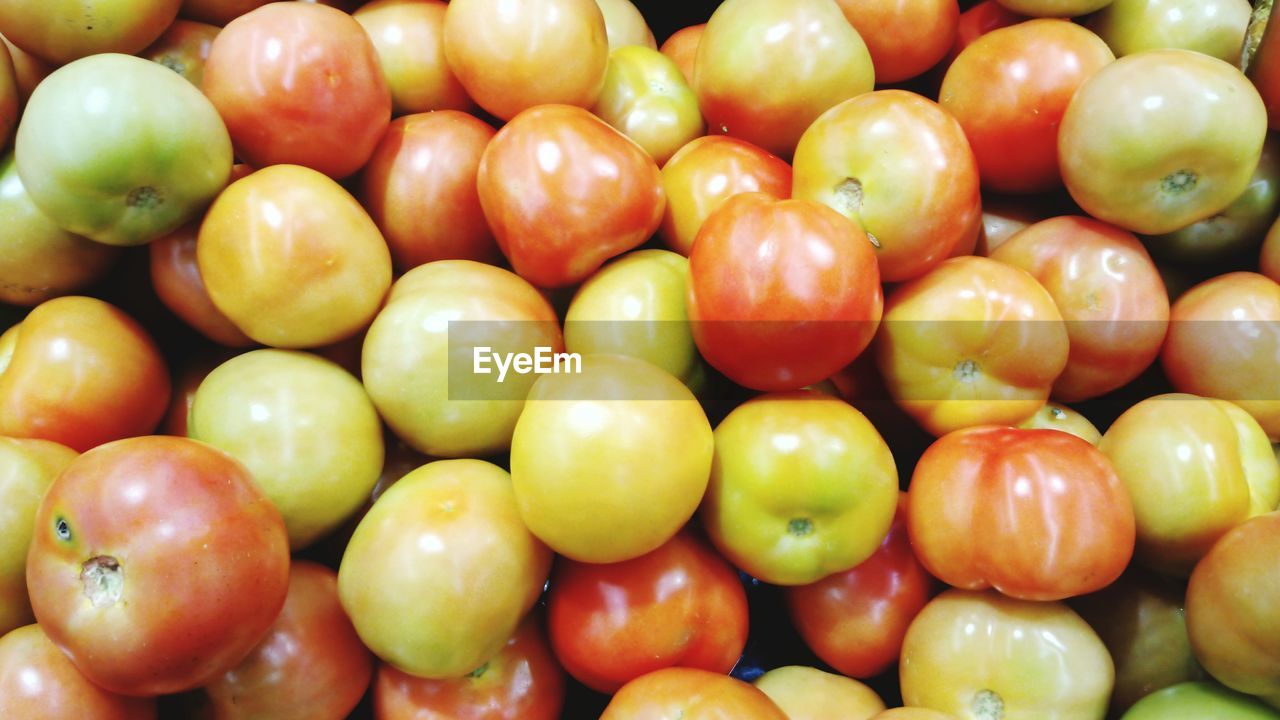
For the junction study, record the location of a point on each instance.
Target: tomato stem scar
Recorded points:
(103, 580)
(988, 705)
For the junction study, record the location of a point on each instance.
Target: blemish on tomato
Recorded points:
(103, 580)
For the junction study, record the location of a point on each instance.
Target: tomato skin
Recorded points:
(646, 97)
(782, 293)
(184, 48)
(27, 468)
(80, 372)
(522, 682)
(736, 76)
(1269, 263)
(625, 26)
(409, 38)
(918, 206)
(292, 259)
(1231, 620)
(1195, 700)
(28, 70)
(310, 665)
(420, 189)
(1194, 468)
(175, 275)
(10, 96)
(61, 31)
(703, 174)
(1054, 8)
(1060, 417)
(563, 192)
(441, 571)
(1109, 293)
(1215, 28)
(971, 342)
(1010, 88)
(1223, 341)
(855, 620)
(1262, 63)
(1158, 140)
(162, 606)
(299, 84)
(983, 655)
(977, 21)
(911, 713)
(905, 37)
(682, 47)
(218, 12)
(610, 624)
(513, 56)
(690, 694)
(37, 680)
(806, 693)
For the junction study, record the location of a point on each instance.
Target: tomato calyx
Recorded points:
(1253, 36)
(1179, 181)
(988, 705)
(967, 371)
(478, 672)
(800, 527)
(103, 580)
(144, 198)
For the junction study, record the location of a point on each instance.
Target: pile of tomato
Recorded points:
(906, 359)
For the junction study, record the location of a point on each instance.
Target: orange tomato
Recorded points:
(409, 38)
(682, 47)
(689, 694)
(905, 37)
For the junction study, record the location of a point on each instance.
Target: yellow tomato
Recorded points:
(1060, 417)
(625, 26)
(646, 97)
(27, 467)
(409, 38)
(806, 693)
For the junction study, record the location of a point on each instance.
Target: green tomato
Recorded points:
(646, 97)
(121, 150)
(1212, 27)
(1199, 701)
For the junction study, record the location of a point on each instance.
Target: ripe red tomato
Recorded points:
(855, 620)
(678, 606)
(690, 694)
(977, 21)
(1036, 514)
(157, 564)
(782, 293)
(38, 681)
(565, 192)
(682, 47)
(299, 84)
(905, 37)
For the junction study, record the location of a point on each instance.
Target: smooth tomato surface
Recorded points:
(1192, 701)
(1213, 27)
(806, 693)
(905, 37)
(38, 681)
(61, 31)
(690, 694)
(682, 47)
(409, 38)
(625, 26)
(184, 48)
(646, 96)
(27, 468)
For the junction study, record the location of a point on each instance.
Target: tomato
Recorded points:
(977, 21)
(1109, 293)
(679, 605)
(635, 306)
(10, 97)
(1192, 701)
(157, 564)
(906, 713)
(1160, 139)
(1195, 468)
(120, 149)
(646, 97)
(1261, 59)
(905, 37)
(690, 694)
(1224, 341)
(782, 293)
(855, 620)
(1002, 217)
(186, 380)
(682, 47)
(1140, 618)
(80, 372)
(27, 468)
(521, 682)
(420, 188)
(175, 275)
(1238, 229)
(421, 373)
(1269, 263)
(292, 259)
(802, 486)
(1215, 28)
(983, 656)
(37, 680)
(1232, 621)
(564, 192)
(409, 38)
(625, 415)
(310, 665)
(625, 26)
(184, 48)
(1009, 90)
(971, 342)
(61, 31)
(806, 693)
(299, 84)
(513, 56)
(1054, 8)
(41, 260)
(218, 12)
(28, 70)
(746, 42)
(703, 174)
(440, 572)
(900, 166)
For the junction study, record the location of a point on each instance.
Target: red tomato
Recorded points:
(855, 620)
(690, 694)
(522, 682)
(1036, 514)
(905, 37)
(157, 564)
(1010, 88)
(682, 47)
(565, 192)
(38, 681)
(1263, 64)
(80, 372)
(977, 21)
(311, 664)
(1109, 292)
(299, 84)
(28, 70)
(680, 605)
(420, 188)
